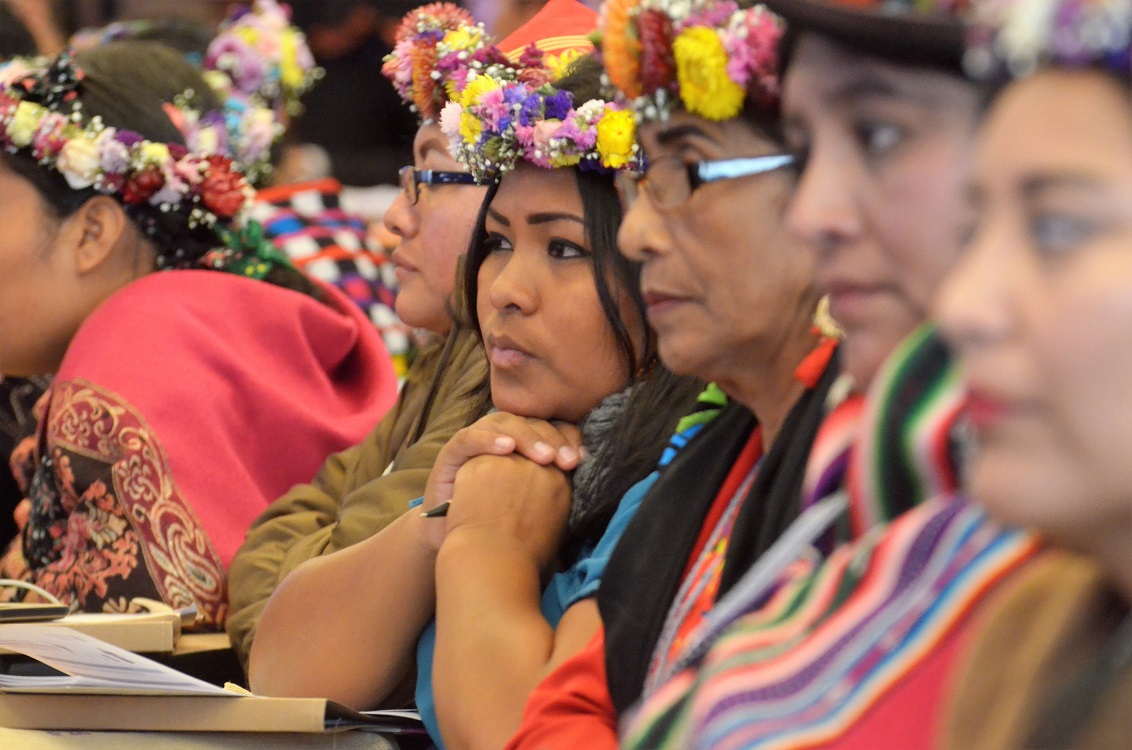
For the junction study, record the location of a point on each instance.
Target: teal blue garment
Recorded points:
(565, 589)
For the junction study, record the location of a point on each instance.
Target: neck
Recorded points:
(1113, 550)
(764, 380)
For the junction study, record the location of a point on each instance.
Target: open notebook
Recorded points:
(108, 688)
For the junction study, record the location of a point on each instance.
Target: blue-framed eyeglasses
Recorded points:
(411, 178)
(670, 180)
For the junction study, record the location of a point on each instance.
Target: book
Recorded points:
(153, 631)
(103, 687)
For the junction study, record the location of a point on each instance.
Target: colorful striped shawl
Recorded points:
(832, 640)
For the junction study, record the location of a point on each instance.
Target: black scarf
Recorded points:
(646, 567)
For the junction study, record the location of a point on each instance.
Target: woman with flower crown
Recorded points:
(561, 317)
(1037, 310)
(359, 492)
(197, 374)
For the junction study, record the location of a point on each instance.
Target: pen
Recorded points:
(437, 512)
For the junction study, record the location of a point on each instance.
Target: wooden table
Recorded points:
(25, 739)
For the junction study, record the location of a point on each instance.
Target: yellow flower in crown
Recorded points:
(24, 123)
(701, 68)
(291, 73)
(559, 65)
(616, 136)
(154, 154)
(462, 39)
(476, 88)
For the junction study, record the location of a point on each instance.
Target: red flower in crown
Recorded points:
(142, 185)
(658, 66)
(223, 190)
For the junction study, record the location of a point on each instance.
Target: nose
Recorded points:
(401, 218)
(973, 304)
(823, 212)
(641, 230)
(512, 281)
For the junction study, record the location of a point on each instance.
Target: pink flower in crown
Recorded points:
(525, 135)
(545, 133)
(739, 58)
(450, 121)
(188, 170)
(492, 108)
(398, 66)
(763, 34)
(49, 137)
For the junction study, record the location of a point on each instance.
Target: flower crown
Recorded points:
(264, 56)
(495, 124)
(1014, 37)
(438, 49)
(706, 55)
(40, 115)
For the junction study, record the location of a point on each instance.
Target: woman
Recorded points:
(731, 296)
(853, 650)
(563, 321)
(360, 491)
(171, 388)
(1037, 311)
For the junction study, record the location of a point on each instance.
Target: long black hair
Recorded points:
(127, 85)
(647, 422)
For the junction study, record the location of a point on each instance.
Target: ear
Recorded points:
(96, 230)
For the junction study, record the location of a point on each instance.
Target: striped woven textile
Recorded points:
(799, 665)
(833, 639)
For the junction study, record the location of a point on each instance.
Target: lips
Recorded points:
(505, 353)
(985, 410)
(851, 300)
(658, 303)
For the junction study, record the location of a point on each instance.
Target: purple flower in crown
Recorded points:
(128, 138)
(531, 109)
(115, 155)
(231, 55)
(558, 105)
(713, 15)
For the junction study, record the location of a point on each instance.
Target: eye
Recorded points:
(565, 250)
(496, 243)
(878, 138)
(1056, 234)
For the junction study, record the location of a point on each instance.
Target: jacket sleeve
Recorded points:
(356, 494)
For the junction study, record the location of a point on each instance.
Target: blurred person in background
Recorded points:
(354, 114)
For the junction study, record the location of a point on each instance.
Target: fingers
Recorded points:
(541, 442)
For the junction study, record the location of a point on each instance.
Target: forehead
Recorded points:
(823, 73)
(431, 145)
(1059, 121)
(528, 189)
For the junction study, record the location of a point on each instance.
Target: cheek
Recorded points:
(1081, 347)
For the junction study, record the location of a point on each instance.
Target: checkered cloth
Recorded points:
(307, 223)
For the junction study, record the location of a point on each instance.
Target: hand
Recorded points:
(501, 434)
(508, 500)
(21, 514)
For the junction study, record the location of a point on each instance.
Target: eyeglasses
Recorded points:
(670, 180)
(411, 178)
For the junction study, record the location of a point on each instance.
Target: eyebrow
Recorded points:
(1035, 186)
(680, 132)
(869, 86)
(433, 144)
(538, 218)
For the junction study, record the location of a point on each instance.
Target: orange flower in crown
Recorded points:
(439, 48)
(706, 56)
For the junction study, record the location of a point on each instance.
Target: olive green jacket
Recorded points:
(360, 490)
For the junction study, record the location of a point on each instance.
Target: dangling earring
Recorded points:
(646, 368)
(824, 323)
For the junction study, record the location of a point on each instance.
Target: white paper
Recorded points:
(92, 665)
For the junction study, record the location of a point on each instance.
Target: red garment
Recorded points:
(571, 708)
(709, 564)
(185, 404)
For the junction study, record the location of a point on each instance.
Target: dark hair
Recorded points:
(15, 39)
(647, 422)
(127, 84)
(788, 45)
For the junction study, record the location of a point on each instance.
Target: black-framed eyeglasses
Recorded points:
(670, 180)
(411, 178)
